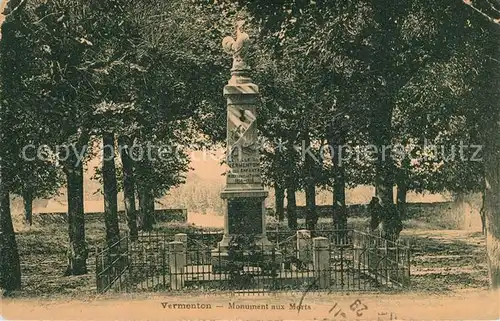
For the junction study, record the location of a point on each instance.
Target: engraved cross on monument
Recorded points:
(244, 193)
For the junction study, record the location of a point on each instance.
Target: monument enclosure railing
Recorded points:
(112, 264)
(321, 260)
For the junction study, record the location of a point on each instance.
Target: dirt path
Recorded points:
(466, 305)
(447, 260)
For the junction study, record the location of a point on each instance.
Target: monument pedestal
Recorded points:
(245, 216)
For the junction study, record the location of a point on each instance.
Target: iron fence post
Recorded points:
(97, 270)
(387, 262)
(408, 261)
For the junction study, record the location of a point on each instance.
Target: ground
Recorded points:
(461, 305)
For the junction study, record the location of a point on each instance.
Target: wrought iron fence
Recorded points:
(386, 261)
(322, 260)
(112, 264)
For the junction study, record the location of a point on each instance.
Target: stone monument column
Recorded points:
(244, 192)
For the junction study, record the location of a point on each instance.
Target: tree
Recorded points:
(116, 39)
(492, 177)
(34, 173)
(70, 98)
(489, 98)
(10, 270)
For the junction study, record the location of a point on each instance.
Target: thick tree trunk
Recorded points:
(110, 191)
(339, 218)
(10, 269)
(402, 191)
(78, 252)
(279, 202)
(311, 214)
(28, 206)
(339, 207)
(489, 97)
(146, 205)
(384, 173)
(339, 215)
(128, 186)
(291, 208)
(492, 201)
(374, 209)
(391, 224)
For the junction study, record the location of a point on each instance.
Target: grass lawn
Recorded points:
(441, 261)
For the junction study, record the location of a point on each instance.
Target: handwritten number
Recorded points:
(342, 314)
(332, 308)
(357, 306)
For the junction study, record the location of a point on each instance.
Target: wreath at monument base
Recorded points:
(247, 260)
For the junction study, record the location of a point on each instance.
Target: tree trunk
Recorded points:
(339, 215)
(488, 97)
(78, 252)
(311, 214)
(374, 209)
(280, 202)
(146, 205)
(339, 207)
(10, 269)
(291, 208)
(482, 214)
(391, 224)
(384, 174)
(492, 201)
(128, 186)
(28, 206)
(140, 217)
(402, 191)
(110, 191)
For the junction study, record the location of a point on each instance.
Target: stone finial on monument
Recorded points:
(238, 47)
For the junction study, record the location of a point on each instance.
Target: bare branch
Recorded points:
(15, 9)
(41, 19)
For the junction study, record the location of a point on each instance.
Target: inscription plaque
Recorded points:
(244, 171)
